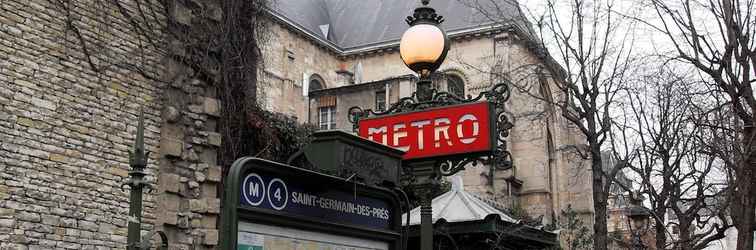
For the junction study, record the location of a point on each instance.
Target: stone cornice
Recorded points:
(357, 87)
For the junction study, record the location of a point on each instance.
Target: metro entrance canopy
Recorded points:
(463, 221)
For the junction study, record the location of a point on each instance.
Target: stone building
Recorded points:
(70, 93)
(328, 56)
(68, 110)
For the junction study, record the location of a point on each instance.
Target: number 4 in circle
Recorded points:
(278, 194)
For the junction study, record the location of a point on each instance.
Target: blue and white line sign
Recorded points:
(278, 194)
(266, 191)
(253, 190)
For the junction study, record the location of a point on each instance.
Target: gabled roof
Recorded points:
(354, 24)
(458, 205)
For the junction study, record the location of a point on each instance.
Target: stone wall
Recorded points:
(73, 78)
(289, 61)
(189, 173)
(189, 176)
(65, 129)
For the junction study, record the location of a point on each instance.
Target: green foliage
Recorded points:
(574, 233)
(518, 212)
(278, 136)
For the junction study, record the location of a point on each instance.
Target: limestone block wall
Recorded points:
(189, 174)
(289, 60)
(65, 129)
(67, 121)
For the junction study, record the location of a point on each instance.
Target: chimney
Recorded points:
(344, 76)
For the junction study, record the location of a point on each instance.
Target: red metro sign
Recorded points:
(450, 130)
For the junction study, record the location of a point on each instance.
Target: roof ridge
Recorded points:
(365, 24)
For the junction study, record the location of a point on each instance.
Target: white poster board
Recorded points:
(266, 237)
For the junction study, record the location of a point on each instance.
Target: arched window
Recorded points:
(316, 83)
(455, 85)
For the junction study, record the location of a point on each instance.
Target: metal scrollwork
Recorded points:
(500, 157)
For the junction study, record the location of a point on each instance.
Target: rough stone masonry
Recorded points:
(69, 99)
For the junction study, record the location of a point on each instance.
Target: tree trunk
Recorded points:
(685, 232)
(661, 233)
(744, 207)
(599, 200)
(745, 216)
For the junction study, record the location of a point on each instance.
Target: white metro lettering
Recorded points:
(445, 132)
(476, 129)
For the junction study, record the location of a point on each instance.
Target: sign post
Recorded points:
(274, 206)
(440, 135)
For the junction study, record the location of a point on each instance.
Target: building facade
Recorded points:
(325, 57)
(74, 76)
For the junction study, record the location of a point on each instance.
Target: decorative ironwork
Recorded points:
(138, 162)
(500, 157)
(424, 14)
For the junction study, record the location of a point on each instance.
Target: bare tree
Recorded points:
(718, 38)
(667, 113)
(590, 66)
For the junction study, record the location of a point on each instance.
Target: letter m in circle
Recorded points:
(254, 189)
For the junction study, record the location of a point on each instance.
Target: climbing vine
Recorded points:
(219, 42)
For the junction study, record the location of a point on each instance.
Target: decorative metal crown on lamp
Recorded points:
(424, 45)
(639, 217)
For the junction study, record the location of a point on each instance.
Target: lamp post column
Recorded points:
(424, 89)
(426, 225)
(423, 48)
(138, 162)
(427, 185)
(135, 208)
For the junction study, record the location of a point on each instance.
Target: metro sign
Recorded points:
(449, 130)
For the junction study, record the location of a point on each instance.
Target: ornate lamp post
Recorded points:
(423, 48)
(637, 221)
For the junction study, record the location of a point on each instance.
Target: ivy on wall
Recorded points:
(279, 135)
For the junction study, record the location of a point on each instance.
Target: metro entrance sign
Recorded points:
(269, 205)
(450, 130)
(276, 193)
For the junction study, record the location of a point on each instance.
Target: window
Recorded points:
(315, 83)
(455, 85)
(327, 117)
(380, 100)
(327, 112)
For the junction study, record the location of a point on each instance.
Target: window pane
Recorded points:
(327, 117)
(332, 117)
(323, 118)
(380, 100)
(315, 84)
(455, 85)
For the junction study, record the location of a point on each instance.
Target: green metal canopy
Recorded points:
(462, 220)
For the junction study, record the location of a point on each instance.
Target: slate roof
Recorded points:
(458, 205)
(355, 24)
